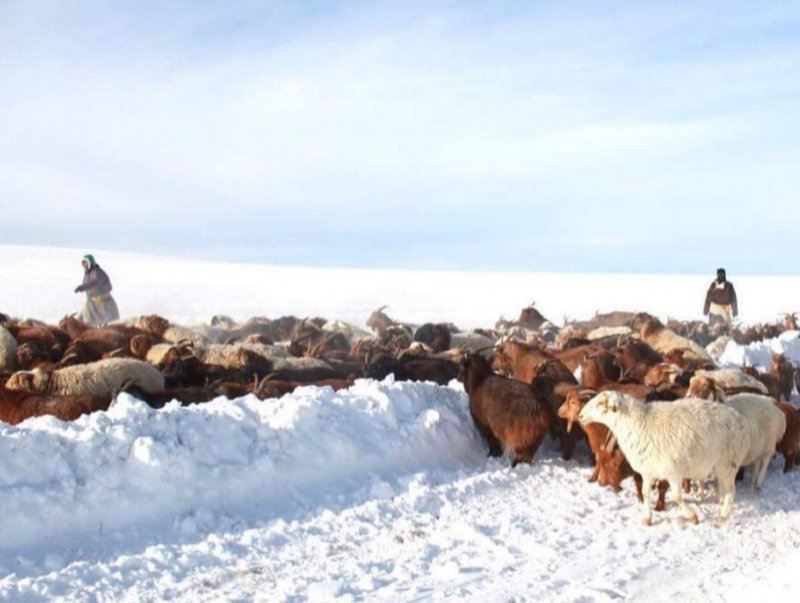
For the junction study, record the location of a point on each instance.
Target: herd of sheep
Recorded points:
(648, 399)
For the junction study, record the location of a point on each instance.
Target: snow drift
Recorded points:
(137, 466)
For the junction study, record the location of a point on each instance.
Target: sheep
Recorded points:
(8, 350)
(611, 466)
(161, 327)
(788, 446)
(783, 370)
(687, 438)
(438, 370)
(102, 378)
(734, 381)
(16, 406)
(598, 369)
(473, 342)
(767, 426)
(716, 348)
(519, 360)
(663, 340)
(730, 381)
(351, 332)
(531, 318)
(551, 382)
(505, 411)
(604, 332)
(437, 336)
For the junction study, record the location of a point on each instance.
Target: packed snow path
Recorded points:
(410, 509)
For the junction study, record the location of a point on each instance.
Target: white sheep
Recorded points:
(664, 341)
(8, 350)
(767, 426)
(603, 332)
(716, 348)
(687, 438)
(732, 379)
(229, 354)
(101, 378)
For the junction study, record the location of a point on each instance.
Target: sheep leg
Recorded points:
(677, 496)
(661, 503)
(595, 473)
(647, 516)
(758, 477)
(789, 463)
(687, 486)
(637, 481)
(727, 491)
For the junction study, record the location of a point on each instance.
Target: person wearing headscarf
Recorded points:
(100, 307)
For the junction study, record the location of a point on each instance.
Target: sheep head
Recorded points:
(662, 374)
(570, 410)
(705, 388)
(603, 408)
(29, 381)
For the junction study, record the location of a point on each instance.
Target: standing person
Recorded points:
(100, 307)
(721, 307)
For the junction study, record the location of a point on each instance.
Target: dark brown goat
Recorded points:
(770, 381)
(598, 369)
(505, 411)
(788, 446)
(436, 336)
(551, 382)
(438, 370)
(520, 360)
(782, 369)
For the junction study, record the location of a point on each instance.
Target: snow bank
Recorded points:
(137, 466)
(760, 353)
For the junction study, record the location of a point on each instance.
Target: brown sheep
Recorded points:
(531, 318)
(635, 358)
(519, 360)
(505, 411)
(598, 369)
(551, 382)
(16, 405)
(784, 372)
(788, 446)
(770, 381)
(436, 336)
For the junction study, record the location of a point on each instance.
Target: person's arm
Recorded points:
(707, 304)
(93, 280)
(734, 303)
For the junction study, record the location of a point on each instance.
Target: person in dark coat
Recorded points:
(721, 306)
(100, 307)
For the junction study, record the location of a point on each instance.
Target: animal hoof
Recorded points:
(693, 519)
(646, 522)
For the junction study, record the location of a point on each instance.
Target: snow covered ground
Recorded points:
(380, 492)
(38, 281)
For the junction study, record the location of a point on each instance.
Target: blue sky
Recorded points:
(582, 137)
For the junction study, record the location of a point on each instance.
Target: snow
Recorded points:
(39, 282)
(380, 492)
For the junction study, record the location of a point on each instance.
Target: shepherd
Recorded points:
(100, 307)
(721, 306)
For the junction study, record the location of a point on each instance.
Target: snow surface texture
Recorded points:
(38, 282)
(380, 492)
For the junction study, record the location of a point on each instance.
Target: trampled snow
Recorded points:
(380, 492)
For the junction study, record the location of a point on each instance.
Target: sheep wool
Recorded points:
(8, 350)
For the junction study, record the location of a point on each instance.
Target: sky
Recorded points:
(522, 136)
